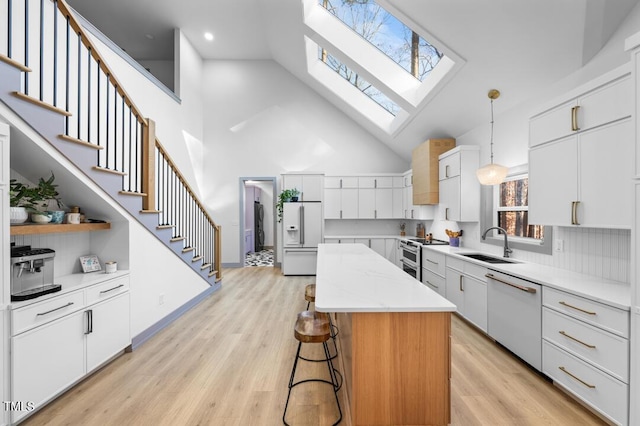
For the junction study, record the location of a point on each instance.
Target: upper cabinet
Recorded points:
(363, 197)
(424, 167)
(585, 178)
(459, 187)
(311, 186)
(604, 104)
(341, 197)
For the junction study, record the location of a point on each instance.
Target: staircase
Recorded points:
(53, 77)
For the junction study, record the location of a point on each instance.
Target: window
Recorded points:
(507, 206)
(512, 209)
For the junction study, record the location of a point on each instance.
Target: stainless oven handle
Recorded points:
(409, 264)
(519, 287)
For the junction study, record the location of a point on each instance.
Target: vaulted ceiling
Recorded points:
(516, 46)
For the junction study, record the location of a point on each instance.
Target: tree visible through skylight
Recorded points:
(387, 33)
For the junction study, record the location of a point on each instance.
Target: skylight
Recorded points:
(369, 58)
(383, 30)
(360, 83)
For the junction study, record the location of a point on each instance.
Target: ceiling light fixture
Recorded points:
(492, 174)
(208, 36)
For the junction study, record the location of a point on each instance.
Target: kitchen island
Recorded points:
(394, 337)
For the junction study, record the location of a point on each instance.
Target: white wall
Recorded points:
(162, 70)
(262, 121)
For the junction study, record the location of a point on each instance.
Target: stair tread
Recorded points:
(165, 226)
(205, 266)
(196, 258)
(188, 249)
(150, 211)
(212, 273)
(139, 194)
(104, 169)
(14, 63)
(80, 142)
(176, 239)
(42, 104)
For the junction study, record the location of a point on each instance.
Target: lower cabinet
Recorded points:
(466, 287)
(585, 349)
(58, 341)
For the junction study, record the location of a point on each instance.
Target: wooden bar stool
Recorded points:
(314, 327)
(310, 297)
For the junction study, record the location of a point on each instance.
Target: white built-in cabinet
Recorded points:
(375, 197)
(310, 185)
(581, 158)
(466, 287)
(385, 247)
(458, 184)
(363, 197)
(434, 270)
(57, 341)
(340, 197)
(414, 211)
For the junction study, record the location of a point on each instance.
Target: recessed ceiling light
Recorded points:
(208, 36)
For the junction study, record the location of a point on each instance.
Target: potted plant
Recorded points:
(286, 196)
(37, 200)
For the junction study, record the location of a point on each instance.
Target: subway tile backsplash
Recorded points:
(603, 253)
(68, 246)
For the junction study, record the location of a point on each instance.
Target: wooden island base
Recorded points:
(397, 367)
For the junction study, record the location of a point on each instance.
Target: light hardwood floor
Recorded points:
(228, 360)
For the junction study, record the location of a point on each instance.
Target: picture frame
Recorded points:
(90, 263)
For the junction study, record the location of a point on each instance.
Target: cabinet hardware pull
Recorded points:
(519, 287)
(411, 213)
(446, 171)
(375, 214)
(375, 183)
(56, 309)
(576, 340)
(461, 287)
(574, 212)
(431, 261)
(340, 183)
(574, 118)
(340, 214)
(89, 321)
(111, 289)
(431, 284)
(446, 213)
(564, 370)
(301, 224)
(577, 309)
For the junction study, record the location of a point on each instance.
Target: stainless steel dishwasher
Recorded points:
(515, 315)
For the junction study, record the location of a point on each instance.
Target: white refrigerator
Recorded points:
(302, 228)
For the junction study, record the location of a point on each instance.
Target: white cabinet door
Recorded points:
(398, 206)
(606, 170)
(454, 292)
(47, 359)
(378, 245)
(450, 198)
(475, 301)
(384, 203)
(311, 187)
(390, 249)
(553, 187)
(551, 125)
(449, 166)
(109, 330)
(606, 104)
(367, 203)
(349, 203)
(332, 203)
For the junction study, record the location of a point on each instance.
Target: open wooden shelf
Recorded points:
(53, 228)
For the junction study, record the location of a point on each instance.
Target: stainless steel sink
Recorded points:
(486, 258)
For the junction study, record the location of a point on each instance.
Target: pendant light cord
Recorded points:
(491, 146)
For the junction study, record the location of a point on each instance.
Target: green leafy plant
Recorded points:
(32, 197)
(285, 196)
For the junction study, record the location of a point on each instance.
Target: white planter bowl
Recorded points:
(40, 218)
(18, 214)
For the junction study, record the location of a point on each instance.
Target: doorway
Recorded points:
(257, 221)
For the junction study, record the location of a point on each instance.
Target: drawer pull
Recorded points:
(56, 309)
(111, 289)
(431, 284)
(519, 287)
(576, 308)
(577, 340)
(564, 370)
(431, 261)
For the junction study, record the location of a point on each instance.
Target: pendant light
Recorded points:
(492, 174)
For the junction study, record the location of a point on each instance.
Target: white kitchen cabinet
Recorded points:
(434, 270)
(466, 287)
(47, 360)
(584, 179)
(598, 106)
(459, 187)
(425, 170)
(341, 197)
(585, 348)
(410, 210)
(390, 249)
(58, 341)
(311, 186)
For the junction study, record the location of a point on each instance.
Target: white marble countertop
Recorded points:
(609, 292)
(354, 278)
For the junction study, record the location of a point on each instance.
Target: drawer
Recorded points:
(23, 319)
(433, 281)
(605, 350)
(433, 261)
(604, 316)
(455, 263)
(107, 289)
(596, 388)
(476, 271)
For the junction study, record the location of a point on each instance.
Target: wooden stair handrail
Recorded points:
(182, 179)
(75, 24)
